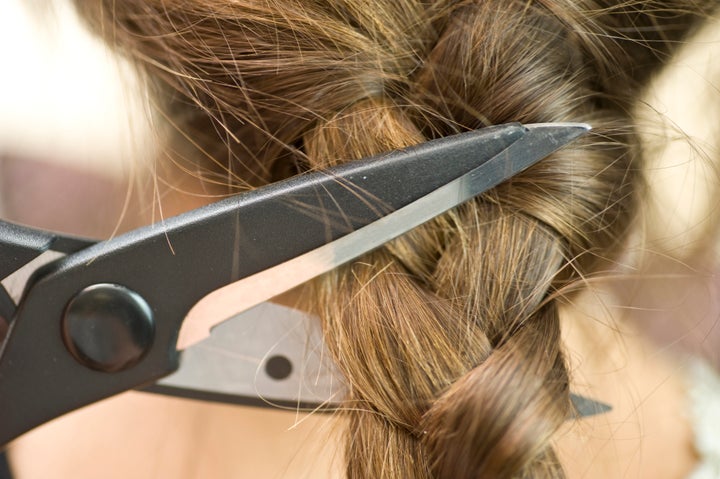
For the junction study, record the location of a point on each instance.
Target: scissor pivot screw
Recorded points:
(108, 327)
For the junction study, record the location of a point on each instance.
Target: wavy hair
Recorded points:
(449, 337)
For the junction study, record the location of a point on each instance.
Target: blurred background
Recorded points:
(73, 124)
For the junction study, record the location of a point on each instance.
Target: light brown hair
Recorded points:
(449, 337)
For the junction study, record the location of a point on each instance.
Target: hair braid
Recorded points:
(464, 372)
(448, 336)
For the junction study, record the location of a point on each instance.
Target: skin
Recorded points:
(143, 435)
(612, 361)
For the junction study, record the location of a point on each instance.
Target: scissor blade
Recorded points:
(169, 267)
(586, 407)
(271, 355)
(539, 141)
(274, 356)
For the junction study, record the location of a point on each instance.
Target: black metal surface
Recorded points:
(174, 264)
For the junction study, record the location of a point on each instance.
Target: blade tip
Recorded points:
(562, 132)
(584, 127)
(566, 125)
(587, 407)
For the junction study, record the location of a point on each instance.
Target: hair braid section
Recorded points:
(449, 343)
(497, 419)
(482, 71)
(448, 336)
(434, 376)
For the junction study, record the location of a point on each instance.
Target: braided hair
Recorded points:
(449, 337)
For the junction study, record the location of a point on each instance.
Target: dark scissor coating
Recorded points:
(145, 282)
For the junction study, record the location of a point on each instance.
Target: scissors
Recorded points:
(88, 320)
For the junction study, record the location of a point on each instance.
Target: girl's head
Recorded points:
(450, 336)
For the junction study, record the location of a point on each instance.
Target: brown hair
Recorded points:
(449, 337)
